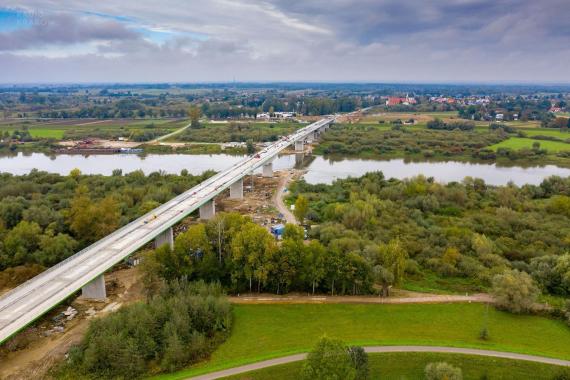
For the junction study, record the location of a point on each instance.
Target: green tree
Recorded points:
(394, 256)
(22, 241)
(514, 291)
(359, 359)
(384, 277)
(54, 249)
(313, 267)
(301, 208)
(195, 114)
(329, 360)
(252, 249)
(442, 371)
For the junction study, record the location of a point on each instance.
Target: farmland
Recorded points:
(91, 128)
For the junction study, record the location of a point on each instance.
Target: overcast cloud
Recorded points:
(282, 40)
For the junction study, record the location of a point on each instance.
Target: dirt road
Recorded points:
(278, 199)
(403, 298)
(385, 349)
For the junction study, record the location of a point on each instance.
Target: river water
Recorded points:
(319, 169)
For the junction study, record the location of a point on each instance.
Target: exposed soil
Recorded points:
(33, 352)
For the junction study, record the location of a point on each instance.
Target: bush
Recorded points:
(515, 291)
(442, 371)
(332, 359)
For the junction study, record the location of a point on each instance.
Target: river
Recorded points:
(319, 169)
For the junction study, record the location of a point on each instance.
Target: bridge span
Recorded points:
(84, 270)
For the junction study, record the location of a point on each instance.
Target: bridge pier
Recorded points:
(299, 146)
(236, 189)
(95, 290)
(268, 170)
(165, 237)
(208, 210)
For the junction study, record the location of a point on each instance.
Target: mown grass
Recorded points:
(548, 132)
(46, 133)
(520, 143)
(266, 331)
(411, 365)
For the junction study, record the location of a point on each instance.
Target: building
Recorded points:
(395, 100)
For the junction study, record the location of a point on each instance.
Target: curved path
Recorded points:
(384, 349)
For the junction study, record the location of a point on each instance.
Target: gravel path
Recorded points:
(384, 349)
(413, 298)
(278, 200)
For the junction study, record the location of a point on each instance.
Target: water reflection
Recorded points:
(319, 169)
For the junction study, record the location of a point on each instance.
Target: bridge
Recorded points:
(85, 269)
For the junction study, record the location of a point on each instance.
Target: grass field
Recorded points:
(47, 133)
(88, 128)
(410, 366)
(520, 143)
(547, 132)
(266, 331)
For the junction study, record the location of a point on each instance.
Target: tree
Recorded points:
(252, 249)
(195, 114)
(301, 208)
(329, 360)
(92, 221)
(394, 256)
(54, 249)
(313, 269)
(442, 371)
(385, 278)
(359, 359)
(22, 241)
(514, 291)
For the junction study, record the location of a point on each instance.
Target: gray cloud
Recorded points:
(64, 29)
(339, 40)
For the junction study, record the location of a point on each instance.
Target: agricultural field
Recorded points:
(517, 143)
(411, 366)
(266, 331)
(74, 129)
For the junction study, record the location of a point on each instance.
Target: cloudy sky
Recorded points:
(284, 40)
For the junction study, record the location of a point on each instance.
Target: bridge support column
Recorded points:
(236, 189)
(268, 170)
(165, 237)
(208, 210)
(299, 146)
(95, 290)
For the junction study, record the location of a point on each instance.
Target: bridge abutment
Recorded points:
(208, 210)
(165, 237)
(95, 290)
(236, 189)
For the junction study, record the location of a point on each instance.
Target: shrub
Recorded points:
(442, 371)
(515, 291)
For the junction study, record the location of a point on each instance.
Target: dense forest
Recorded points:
(45, 218)
(179, 325)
